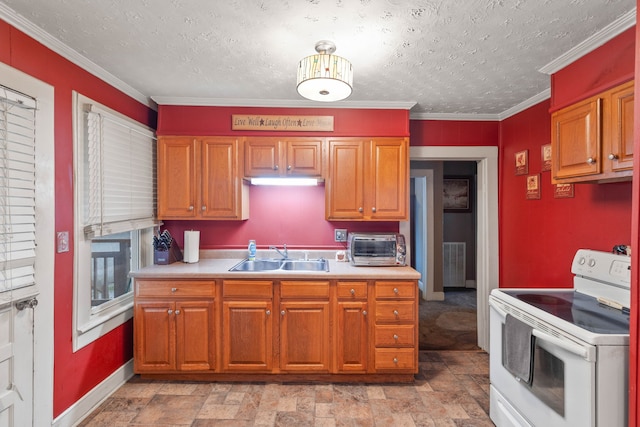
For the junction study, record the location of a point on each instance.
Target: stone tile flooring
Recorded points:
(451, 389)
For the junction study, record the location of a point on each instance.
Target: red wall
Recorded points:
(74, 373)
(454, 133)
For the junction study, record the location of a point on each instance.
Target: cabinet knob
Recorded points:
(174, 289)
(169, 311)
(289, 168)
(353, 291)
(395, 360)
(268, 312)
(177, 312)
(360, 210)
(191, 207)
(364, 312)
(591, 160)
(395, 337)
(204, 208)
(613, 156)
(396, 291)
(373, 209)
(395, 312)
(282, 312)
(275, 167)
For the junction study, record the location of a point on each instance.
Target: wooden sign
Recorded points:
(281, 123)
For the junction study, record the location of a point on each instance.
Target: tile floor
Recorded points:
(451, 389)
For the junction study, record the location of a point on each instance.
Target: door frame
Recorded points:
(487, 248)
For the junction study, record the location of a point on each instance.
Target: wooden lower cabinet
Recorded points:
(346, 330)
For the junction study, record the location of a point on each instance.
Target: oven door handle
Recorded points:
(587, 353)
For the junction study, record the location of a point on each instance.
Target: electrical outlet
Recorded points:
(340, 235)
(62, 238)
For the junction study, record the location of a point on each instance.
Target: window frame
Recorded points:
(90, 323)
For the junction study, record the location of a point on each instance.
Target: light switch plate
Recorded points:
(340, 235)
(62, 238)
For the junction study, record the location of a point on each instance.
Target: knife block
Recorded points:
(170, 256)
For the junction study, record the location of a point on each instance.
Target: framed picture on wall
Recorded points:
(563, 191)
(533, 186)
(546, 157)
(456, 193)
(522, 162)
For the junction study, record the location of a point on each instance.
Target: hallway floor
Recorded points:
(451, 389)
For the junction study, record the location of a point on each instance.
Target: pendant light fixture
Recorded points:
(324, 76)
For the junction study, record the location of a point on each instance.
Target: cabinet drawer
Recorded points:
(258, 289)
(175, 288)
(395, 336)
(395, 358)
(352, 290)
(395, 311)
(304, 289)
(395, 290)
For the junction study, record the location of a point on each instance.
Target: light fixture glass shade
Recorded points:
(325, 77)
(284, 181)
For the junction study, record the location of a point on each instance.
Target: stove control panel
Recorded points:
(602, 266)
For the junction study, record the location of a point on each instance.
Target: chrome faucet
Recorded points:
(284, 253)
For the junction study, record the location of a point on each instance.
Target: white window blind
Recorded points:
(119, 190)
(17, 190)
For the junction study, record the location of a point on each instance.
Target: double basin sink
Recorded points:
(286, 264)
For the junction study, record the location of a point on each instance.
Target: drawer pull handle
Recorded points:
(174, 289)
(204, 208)
(283, 312)
(396, 337)
(360, 209)
(268, 312)
(395, 360)
(591, 160)
(396, 313)
(177, 312)
(353, 291)
(289, 167)
(364, 312)
(191, 207)
(613, 156)
(373, 209)
(396, 291)
(275, 167)
(169, 311)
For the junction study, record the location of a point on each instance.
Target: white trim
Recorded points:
(21, 23)
(487, 211)
(233, 102)
(612, 30)
(534, 100)
(94, 398)
(45, 226)
(468, 117)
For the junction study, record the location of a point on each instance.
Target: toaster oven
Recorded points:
(376, 249)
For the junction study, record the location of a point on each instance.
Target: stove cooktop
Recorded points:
(576, 308)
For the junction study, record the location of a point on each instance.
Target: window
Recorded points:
(17, 191)
(115, 215)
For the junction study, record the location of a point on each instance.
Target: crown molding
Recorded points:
(536, 99)
(471, 117)
(612, 30)
(232, 102)
(21, 23)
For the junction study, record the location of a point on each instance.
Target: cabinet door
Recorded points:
(620, 154)
(345, 183)
(195, 335)
(304, 336)
(352, 336)
(304, 157)
(576, 139)
(262, 157)
(387, 195)
(221, 180)
(154, 336)
(247, 336)
(177, 177)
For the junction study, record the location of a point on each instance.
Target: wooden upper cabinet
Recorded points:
(201, 178)
(278, 157)
(367, 179)
(592, 140)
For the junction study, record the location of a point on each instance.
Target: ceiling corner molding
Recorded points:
(21, 23)
(275, 103)
(536, 99)
(471, 117)
(617, 27)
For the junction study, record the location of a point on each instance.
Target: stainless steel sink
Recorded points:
(282, 264)
(302, 265)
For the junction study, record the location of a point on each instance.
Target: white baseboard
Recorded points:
(435, 296)
(90, 401)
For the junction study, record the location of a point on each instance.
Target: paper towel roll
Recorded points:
(191, 246)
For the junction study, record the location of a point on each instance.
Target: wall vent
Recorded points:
(454, 265)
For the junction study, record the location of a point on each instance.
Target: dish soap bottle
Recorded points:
(252, 250)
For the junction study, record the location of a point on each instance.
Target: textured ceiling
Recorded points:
(447, 56)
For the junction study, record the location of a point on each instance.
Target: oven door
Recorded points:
(562, 391)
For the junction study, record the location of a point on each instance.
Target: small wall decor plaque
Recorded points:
(563, 191)
(546, 157)
(281, 123)
(522, 162)
(533, 186)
